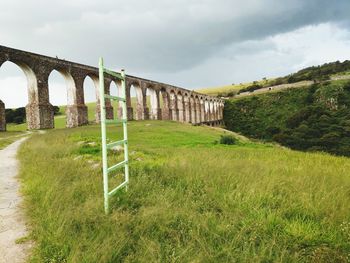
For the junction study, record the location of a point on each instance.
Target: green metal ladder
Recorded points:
(105, 146)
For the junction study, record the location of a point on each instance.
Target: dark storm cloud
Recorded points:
(154, 36)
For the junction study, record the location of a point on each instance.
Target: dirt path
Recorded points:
(12, 225)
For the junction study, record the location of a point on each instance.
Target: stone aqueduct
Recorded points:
(177, 103)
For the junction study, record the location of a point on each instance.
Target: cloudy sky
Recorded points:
(189, 43)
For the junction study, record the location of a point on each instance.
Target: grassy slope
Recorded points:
(253, 115)
(300, 118)
(214, 91)
(189, 199)
(229, 88)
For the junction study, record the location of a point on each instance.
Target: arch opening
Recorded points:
(91, 85)
(136, 101)
(61, 90)
(18, 86)
(153, 103)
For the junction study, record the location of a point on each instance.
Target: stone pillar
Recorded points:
(142, 111)
(76, 110)
(2, 117)
(214, 111)
(39, 111)
(222, 106)
(193, 110)
(166, 111)
(187, 109)
(129, 109)
(155, 113)
(180, 107)
(109, 108)
(202, 109)
(206, 111)
(173, 107)
(211, 111)
(198, 110)
(218, 110)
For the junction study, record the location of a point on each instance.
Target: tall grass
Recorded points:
(190, 199)
(9, 137)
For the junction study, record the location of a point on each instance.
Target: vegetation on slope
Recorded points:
(190, 199)
(314, 118)
(314, 73)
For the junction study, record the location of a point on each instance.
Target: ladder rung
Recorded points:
(112, 144)
(114, 74)
(107, 121)
(116, 166)
(117, 188)
(114, 97)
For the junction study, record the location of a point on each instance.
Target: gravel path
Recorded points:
(12, 224)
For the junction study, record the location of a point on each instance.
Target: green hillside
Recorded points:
(190, 199)
(231, 90)
(314, 118)
(314, 73)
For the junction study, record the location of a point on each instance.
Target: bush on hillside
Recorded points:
(250, 88)
(228, 139)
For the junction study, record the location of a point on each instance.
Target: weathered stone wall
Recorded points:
(178, 104)
(2, 117)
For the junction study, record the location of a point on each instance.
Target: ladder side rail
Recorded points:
(125, 130)
(103, 135)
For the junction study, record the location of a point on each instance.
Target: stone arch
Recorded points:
(39, 112)
(31, 76)
(93, 79)
(107, 84)
(154, 111)
(76, 111)
(138, 104)
(29, 88)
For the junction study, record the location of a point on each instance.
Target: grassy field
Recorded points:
(190, 199)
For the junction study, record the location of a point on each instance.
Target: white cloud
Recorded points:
(190, 43)
(270, 57)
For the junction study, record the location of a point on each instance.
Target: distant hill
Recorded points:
(314, 73)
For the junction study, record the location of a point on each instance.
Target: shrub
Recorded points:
(228, 139)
